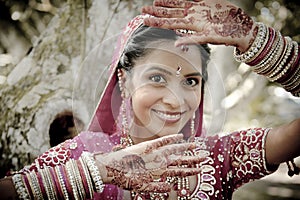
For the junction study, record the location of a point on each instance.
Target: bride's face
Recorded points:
(165, 89)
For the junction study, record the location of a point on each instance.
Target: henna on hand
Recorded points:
(135, 167)
(216, 22)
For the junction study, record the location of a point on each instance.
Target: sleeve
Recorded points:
(247, 160)
(71, 149)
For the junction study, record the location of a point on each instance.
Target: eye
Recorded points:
(157, 79)
(191, 82)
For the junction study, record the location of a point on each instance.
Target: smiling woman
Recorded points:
(162, 101)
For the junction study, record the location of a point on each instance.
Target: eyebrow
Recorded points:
(160, 69)
(170, 73)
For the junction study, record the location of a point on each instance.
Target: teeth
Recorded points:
(168, 116)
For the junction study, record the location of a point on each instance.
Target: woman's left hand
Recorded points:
(139, 167)
(208, 21)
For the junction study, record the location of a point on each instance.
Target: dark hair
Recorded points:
(137, 46)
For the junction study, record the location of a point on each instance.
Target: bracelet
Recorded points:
(20, 187)
(264, 51)
(87, 182)
(36, 189)
(94, 171)
(266, 67)
(61, 183)
(261, 66)
(277, 67)
(288, 66)
(72, 180)
(258, 44)
(78, 179)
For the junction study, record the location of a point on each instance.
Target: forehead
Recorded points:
(166, 54)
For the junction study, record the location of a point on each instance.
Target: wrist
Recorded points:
(99, 158)
(247, 42)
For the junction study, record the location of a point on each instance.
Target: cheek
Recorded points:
(194, 99)
(142, 100)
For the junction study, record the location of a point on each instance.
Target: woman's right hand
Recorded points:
(140, 166)
(209, 21)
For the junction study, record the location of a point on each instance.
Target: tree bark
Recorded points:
(58, 77)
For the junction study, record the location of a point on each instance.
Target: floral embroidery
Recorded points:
(54, 156)
(73, 145)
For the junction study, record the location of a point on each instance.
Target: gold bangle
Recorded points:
(283, 58)
(259, 43)
(283, 72)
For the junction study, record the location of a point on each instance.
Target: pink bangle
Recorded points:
(87, 182)
(56, 183)
(66, 181)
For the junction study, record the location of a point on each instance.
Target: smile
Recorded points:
(168, 116)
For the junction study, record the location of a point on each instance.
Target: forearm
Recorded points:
(274, 56)
(283, 143)
(77, 179)
(7, 189)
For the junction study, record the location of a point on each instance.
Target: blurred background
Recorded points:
(51, 75)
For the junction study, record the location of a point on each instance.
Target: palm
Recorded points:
(137, 166)
(209, 21)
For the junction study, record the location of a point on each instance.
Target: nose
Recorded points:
(173, 97)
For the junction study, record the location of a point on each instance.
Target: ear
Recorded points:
(123, 83)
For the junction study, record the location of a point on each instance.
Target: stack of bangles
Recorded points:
(77, 179)
(275, 57)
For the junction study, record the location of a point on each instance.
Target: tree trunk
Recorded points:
(54, 86)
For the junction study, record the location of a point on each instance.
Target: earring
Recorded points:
(125, 139)
(119, 74)
(192, 127)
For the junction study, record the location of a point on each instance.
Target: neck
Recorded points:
(140, 134)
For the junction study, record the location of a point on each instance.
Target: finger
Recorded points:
(204, 39)
(188, 160)
(167, 23)
(160, 187)
(181, 172)
(174, 3)
(149, 146)
(164, 12)
(175, 149)
(160, 142)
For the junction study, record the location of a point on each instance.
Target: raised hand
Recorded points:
(205, 21)
(142, 166)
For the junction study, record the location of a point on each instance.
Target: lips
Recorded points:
(168, 116)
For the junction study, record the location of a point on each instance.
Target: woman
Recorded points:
(155, 89)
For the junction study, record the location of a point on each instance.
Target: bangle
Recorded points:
(61, 182)
(78, 179)
(290, 63)
(72, 180)
(34, 184)
(87, 181)
(277, 67)
(266, 67)
(259, 43)
(264, 51)
(261, 66)
(20, 187)
(94, 171)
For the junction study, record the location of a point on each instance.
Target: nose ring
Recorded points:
(178, 70)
